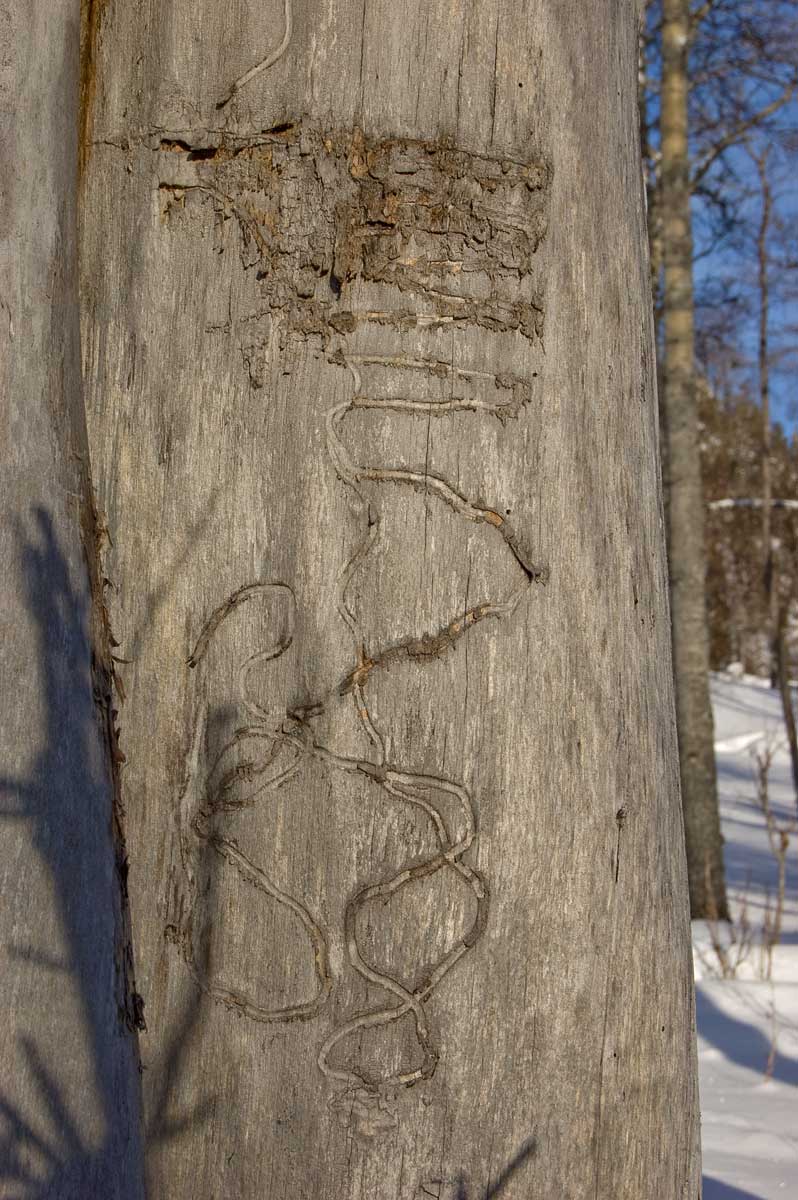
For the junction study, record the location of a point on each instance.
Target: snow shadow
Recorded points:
(737, 769)
(739, 698)
(737, 783)
(755, 872)
(739, 1042)
(713, 1189)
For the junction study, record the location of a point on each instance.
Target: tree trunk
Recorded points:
(406, 853)
(685, 501)
(785, 691)
(69, 1097)
(770, 589)
(651, 170)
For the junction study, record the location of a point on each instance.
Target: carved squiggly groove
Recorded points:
(502, 316)
(403, 785)
(265, 63)
(226, 608)
(438, 408)
(222, 798)
(245, 772)
(431, 645)
(431, 366)
(353, 473)
(229, 850)
(410, 788)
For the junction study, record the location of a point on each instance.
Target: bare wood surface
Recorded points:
(370, 361)
(69, 1069)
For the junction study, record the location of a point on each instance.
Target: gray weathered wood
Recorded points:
(370, 365)
(69, 1080)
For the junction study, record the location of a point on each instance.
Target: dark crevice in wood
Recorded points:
(91, 17)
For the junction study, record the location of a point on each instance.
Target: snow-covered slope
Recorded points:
(750, 1116)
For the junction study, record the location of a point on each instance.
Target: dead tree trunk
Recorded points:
(685, 508)
(369, 348)
(69, 1095)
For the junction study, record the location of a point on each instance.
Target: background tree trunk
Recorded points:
(770, 575)
(685, 507)
(405, 838)
(69, 1097)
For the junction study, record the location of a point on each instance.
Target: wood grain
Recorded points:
(370, 366)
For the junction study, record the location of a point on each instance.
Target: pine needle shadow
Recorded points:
(493, 1191)
(60, 808)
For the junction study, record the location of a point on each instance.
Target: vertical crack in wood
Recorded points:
(91, 17)
(105, 683)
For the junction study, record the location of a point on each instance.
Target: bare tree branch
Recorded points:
(698, 14)
(737, 134)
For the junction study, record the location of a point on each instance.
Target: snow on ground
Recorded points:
(750, 1114)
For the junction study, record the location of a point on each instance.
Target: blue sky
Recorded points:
(745, 53)
(731, 268)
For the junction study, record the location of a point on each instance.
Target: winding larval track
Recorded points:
(274, 751)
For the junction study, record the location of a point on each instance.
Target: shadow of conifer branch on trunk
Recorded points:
(47, 1149)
